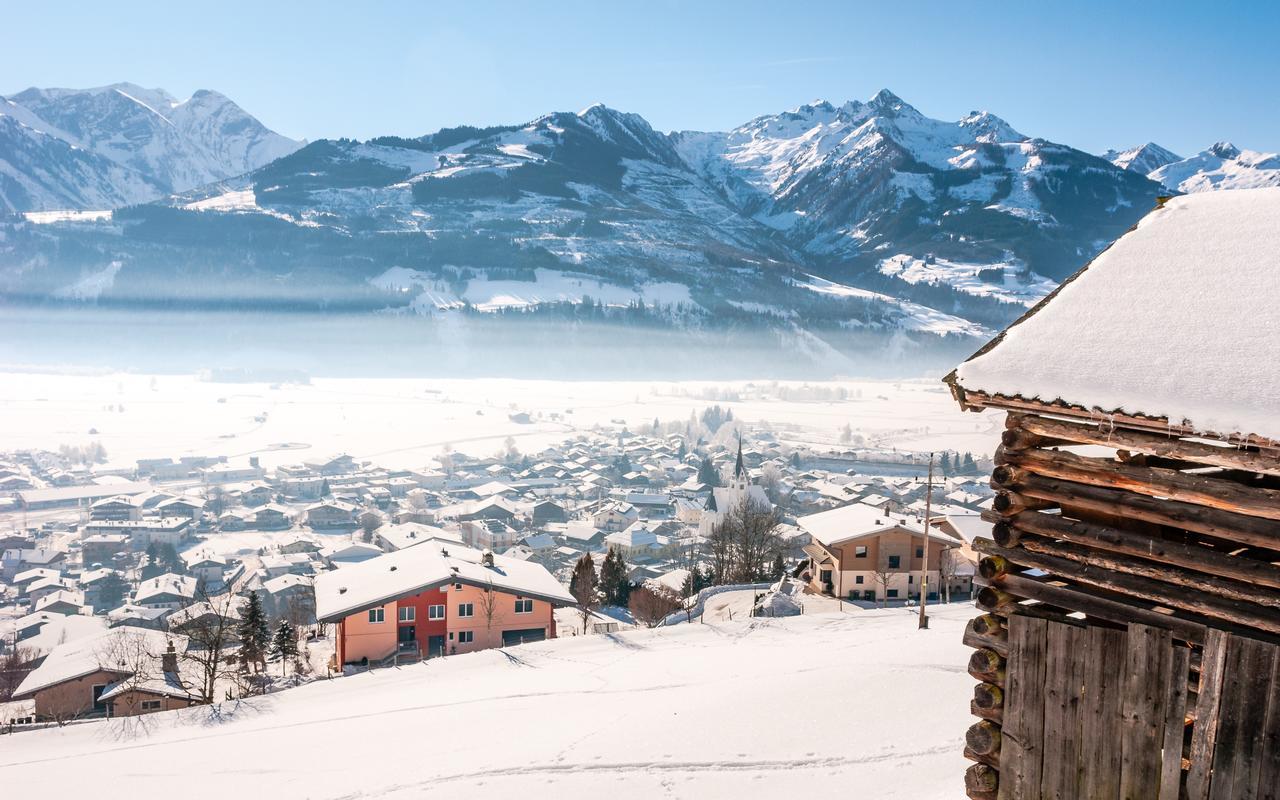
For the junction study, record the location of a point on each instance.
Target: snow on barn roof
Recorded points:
(380, 580)
(1178, 320)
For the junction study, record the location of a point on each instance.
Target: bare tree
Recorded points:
(883, 575)
(651, 603)
(131, 654)
(947, 565)
(15, 664)
(745, 543)
(488, 603)
(210, 628)
(584, 586)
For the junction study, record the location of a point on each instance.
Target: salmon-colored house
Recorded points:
(436, 598)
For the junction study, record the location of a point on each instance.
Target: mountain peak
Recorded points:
(1143, 159)
(886, 100)
(1224, 150)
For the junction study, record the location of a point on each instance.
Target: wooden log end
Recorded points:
(988, 696)
(981, 780)
(993, 600)
(983, 738)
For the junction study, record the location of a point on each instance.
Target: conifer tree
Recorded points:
(253, 633)
(779, 566)
(583, 586)
(945, 464)
(707, 474)
(284, 644)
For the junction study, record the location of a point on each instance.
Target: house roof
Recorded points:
(380, 580)
(407, 534)
(857, 520)
(167, 684)
(167, 584)
(85, 656)
(1184, 305)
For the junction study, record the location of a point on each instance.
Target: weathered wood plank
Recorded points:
(1021, 753)
(1060, 778)
(1111, 503)
(1239, 612)
(1230, 707)
(1155, 444)
(1175, 716)
(1204, 733)
(1269, 774)
(1219, 493)
(1256, 660)
(1100, 714)
(1189, 556)
(1098, 604)
(1147, 661)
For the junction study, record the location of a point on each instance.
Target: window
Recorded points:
(151, 705)
(408, 613)
(435, 612)
(895, 562)
(524, 606)
(919, 552)
(457, 587)
(911, 579)
(893, 592)
(376, 615)
(466, 637)
(466, 609)
(860, 551)
(857, 579)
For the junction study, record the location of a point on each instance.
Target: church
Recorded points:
(724, 498)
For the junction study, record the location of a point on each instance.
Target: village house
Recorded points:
(102, 548)
(858, 552)
(118, 507)
(71, 681)
(435, 599)
(331, 514)
(144, 532)
(166, 591)
(272, 517)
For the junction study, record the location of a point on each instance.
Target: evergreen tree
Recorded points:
(682, 451)
(254, 637)
(111, 592)
(795, 459)
(284, 645)
(779, 566)
(613, 578)
(969, 466)
(622, 464)
(657, 426)
(707, 473)
(169, 559)
(151, 562)
(945, 463)
(583, 586)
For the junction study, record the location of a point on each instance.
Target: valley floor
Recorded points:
(850, 705)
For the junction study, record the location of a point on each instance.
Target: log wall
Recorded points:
(1131, 616)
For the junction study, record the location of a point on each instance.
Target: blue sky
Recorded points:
(1092, 75)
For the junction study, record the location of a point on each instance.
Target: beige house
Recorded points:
(859, 552)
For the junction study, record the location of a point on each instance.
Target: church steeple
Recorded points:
(740, 469)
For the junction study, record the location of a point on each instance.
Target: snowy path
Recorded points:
(857, 703)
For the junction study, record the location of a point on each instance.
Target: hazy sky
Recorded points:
(1092, 75)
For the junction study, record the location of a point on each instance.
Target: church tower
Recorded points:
(740, 479)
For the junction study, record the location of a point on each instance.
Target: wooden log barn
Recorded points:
(1128, 644)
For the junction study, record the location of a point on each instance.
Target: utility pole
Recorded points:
(924, 569)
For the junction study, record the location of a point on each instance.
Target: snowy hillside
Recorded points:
(722, 710)
(121, 144)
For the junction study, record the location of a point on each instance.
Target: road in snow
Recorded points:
(857, 705)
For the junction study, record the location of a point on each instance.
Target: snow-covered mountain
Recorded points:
(1143, 159)
(850, 229)
(121, 144)
(1222, 166)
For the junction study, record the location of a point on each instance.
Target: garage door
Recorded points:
(520, 637)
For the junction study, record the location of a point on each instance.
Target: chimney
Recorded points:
(169, 660)
(486, 558)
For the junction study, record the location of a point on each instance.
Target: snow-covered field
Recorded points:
(854, 705)
(405, 423)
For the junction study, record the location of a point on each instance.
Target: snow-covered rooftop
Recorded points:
(855, 520)
(1178, 319)
(404, 572)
